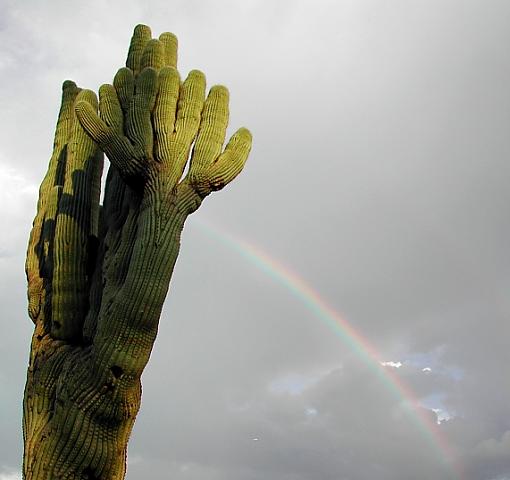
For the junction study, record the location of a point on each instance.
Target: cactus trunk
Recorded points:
(82, 395)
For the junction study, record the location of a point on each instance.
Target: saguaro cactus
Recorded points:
(98, 275)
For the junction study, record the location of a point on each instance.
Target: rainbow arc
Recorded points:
(360, 344)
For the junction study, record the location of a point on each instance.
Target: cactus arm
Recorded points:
(39, 254)
(76, 223)
(65, 221)
(164, 112)
(117, 147)
(124, 86)
(231, 162)
(213, 128)
(138, 121)
(169, 41)
(141, 36)
(187, 123)
(211, 170)
(153, 55)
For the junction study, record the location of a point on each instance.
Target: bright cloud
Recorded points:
(391, 364)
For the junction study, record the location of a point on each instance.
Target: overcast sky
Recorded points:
(379, 176)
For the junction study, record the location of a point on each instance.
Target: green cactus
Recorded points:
(98, 275)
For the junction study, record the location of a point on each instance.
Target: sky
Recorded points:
(341, 311)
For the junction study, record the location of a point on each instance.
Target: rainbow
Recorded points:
(363, 348)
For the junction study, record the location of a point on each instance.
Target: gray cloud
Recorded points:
(379, 174)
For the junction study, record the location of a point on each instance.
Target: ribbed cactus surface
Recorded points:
(98, 274)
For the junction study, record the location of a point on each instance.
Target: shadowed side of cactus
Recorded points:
(98, 275)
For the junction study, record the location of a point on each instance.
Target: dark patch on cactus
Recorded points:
(117, 371)
(88, 474)
(92, 252)
(61, 167)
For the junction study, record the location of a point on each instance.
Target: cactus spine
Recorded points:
(98, 275)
